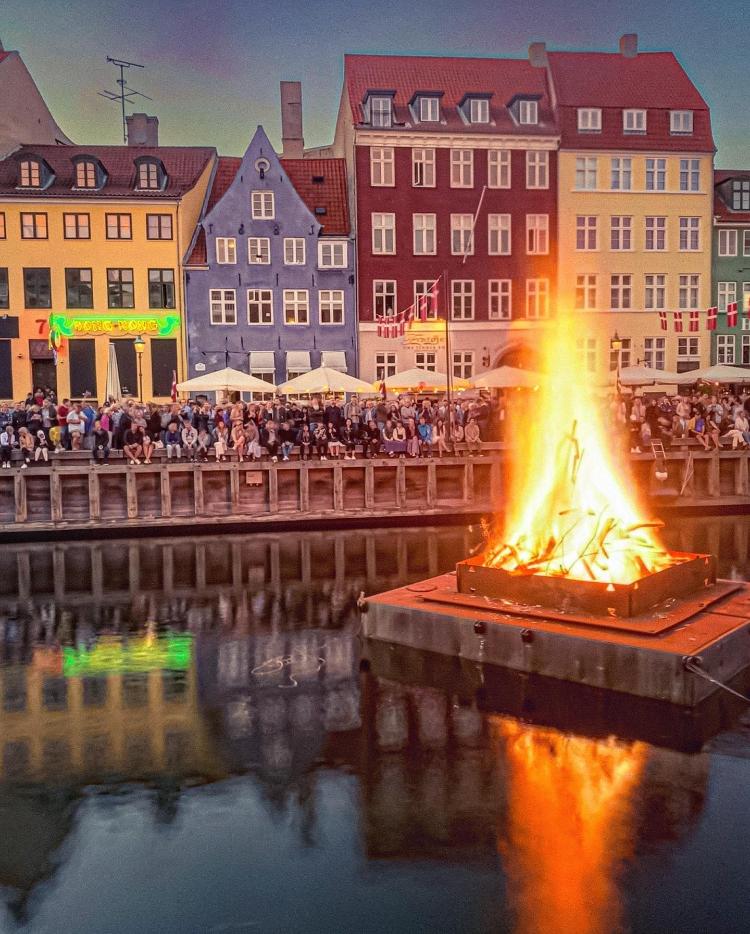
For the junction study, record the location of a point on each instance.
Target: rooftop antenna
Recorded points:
(125, 93)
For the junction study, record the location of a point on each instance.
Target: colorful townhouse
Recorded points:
(731, 266)
(269, 280)
(91, 244)
(635, 206)
(452, 168)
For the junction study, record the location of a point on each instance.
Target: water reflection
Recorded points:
(184, 667)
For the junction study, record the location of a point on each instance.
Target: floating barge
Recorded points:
(645, 639)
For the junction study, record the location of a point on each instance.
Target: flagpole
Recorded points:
(448, 367)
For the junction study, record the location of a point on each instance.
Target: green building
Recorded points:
(731, 265)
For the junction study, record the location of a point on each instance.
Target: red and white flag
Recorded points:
(677, 321)
(663, 320)
(173, 391)
(732, 315)
(434, 296)
(423, 307)
(713, 314)
(694, 320)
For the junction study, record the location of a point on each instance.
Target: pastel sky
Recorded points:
(213, 66)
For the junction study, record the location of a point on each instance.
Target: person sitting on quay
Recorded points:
(473, 437)
(189, 437)
(321, 441)
(425, 437)
(251, 440)
(335, 446)
(372, 439)
(172, 440)
(41, 451)
(8, 442)
(102, 442)
(221, 441)
(349, 434)
(203, 444)
(26, 446)
(270, 440)
(75, 426)
(133, 446)
(305, 441)
(286, 436)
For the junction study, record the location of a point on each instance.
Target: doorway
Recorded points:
(43, 369)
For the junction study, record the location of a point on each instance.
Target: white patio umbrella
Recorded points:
(226, 380)
(113, 388)
(417, 380)
(721, 373)
(506, 377)
(325, 379)
(647, 376)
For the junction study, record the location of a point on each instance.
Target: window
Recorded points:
(462, 168)
(498, 234)
(383, 233)
(380, 111)
(223, 306)
(4, 290)
(689, 293)
(78, 289)
(620, 292)
(527, 112)
(621, 357)
(385, 365)
(586, 292)
(86, 174)
(537, 175)
(462, 239)
(424, 234)
(537, 298)
(740, 194)
(498, 305)
(688, 356)
(118, 227)
(331, 306)
(745, 242)
(727, 293)
(296, 306)
(259, 306)
(462, 299)
(586, 347)
(654, 352)
(498, 168)
(259, 251)
(30, 174)
(746, 305)
(76, 226)
(226, 250)
(725, 348)
(690, 174)
(621, 173)
(426, 360)
(423, 291)
(34, 226)
(120, 292)
(294, 251)
(381, 166)
(656, 233)
(537, 234)
(634, 121)
(727, 243)
(589, 120)
(3, 231)
(655, 294)
(429, 109)
(332, 254)
(37, 289)
(159, 226)
(383, 297)
(586, 171)
(463, 364)
(690, 234)
(586, 232)
(161, 288)
(262, 205)
(148, 175)
(423, 168)
(656, 174)
(479, 110)
(680, 121)
(745, 361)
(620, 232)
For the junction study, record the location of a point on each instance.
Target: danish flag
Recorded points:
(713, 314)
(663, 320)
(732, 314)
(678, 321)
(694, 320)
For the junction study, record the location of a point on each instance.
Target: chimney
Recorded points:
(142, 130)
(292, 141)
(538, 54)
(629, 45)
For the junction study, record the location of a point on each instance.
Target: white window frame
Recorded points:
(386, 364)
(263, 299)
(384, 294)
(424, 287)
(498, 168)
(423, 167)
(222, 304)
(689, 291)
(727, 241)
(429, 109)
(499, 299)
(382, 167)
(296, 301)
(262, 205)
(725, 349)
(537, 168)
(688, 350)
(589, 119)
(537, 234)
(259, 251)
(462, 299)
(462, 362)
(537, 299)
(621, 292)
(745, 350)
(655, 292)
(332, 247)
(462, 168)
(587, 233)
(655, 352)
(588, 351)
(620, 230)
(334, 301)
(528, 113)
(587, 172)
(726, 293)
(226, 251)
(381, 111)
(499, 235)
(479, 110)
(621, 173)
(424, 227)
(383, 234)
(746, 242)
(462, 234)
(426, 360)
(656, 174)
(634, 121)
(690, 174)
(587, 289)
(681, 122)
(294, 251)
(655, 234)
(741, 194)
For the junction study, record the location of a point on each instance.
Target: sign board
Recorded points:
(200, 367)
(75, 325)
(254, 477)
(425, 335)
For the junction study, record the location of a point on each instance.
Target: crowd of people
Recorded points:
(198, 429)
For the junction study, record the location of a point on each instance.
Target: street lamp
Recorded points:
(140, 346)
(615, 344)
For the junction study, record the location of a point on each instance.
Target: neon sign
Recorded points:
(173, 652)
(74, 325)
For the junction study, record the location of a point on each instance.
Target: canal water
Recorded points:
(192, 740)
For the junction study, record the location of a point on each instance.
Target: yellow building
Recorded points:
(634, 207)
(91, 245)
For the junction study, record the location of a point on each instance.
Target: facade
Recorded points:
(270, 275)
(731, 266)
(453, 170)
(91, 243)
(635, 201)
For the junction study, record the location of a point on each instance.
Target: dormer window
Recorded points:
(151, 175)
(30, 174)
(681, 121)
(589, 120)
(429, 109)
(479, 110)
(634, 121)
(741, 195)
(380, 110)
(88, 174)
(528, 113)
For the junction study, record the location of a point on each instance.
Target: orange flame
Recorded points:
(570, 513)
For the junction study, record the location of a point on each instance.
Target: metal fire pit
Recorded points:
(691, 573)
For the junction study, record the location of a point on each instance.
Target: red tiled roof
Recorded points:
(227, 168)
(330, 193)
(406, 75)
(4, 55)
(183, 165)
(652, 81)
(198, 255)
(722, 211)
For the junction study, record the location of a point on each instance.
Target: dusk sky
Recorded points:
(213, 68)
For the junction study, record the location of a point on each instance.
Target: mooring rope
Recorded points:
(692, 665)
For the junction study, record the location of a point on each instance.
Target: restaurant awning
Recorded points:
(334, 360)
(298, 361)
(262, 361)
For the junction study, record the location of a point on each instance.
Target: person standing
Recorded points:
(7, 443)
